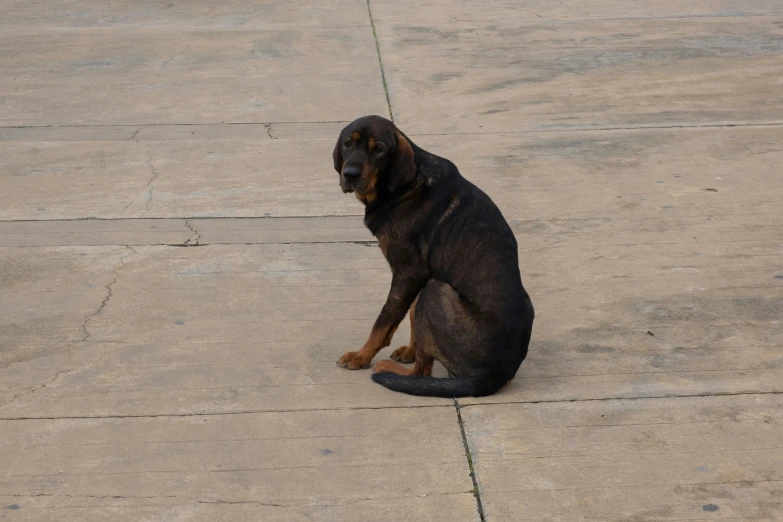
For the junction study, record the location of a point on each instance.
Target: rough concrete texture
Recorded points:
(179, 269)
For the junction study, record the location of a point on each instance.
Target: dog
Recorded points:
(454, 265)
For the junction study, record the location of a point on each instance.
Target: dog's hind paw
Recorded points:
(404, 354)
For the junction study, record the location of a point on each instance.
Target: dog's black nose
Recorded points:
(352, 173)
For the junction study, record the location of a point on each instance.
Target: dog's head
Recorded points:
(372, 157)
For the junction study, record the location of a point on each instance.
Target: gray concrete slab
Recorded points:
(149, 322)
(137, 76)
(171, 357)
(653, 175)
(271, 466)
(18, 15)
(472, 74)
(660, 459)
(253, 176)
(538, 11)
(532, 175)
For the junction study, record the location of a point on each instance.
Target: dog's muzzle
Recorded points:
(351, 175)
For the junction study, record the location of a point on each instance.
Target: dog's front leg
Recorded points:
(404, 289)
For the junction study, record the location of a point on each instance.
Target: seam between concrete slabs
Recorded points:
(191, 218)
(469, 457)
(247, 412)
(649, 397)
(268, 125)
(380, 62)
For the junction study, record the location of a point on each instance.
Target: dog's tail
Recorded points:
(450, 387)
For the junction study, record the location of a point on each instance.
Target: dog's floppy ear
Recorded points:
(403, 168)
(337, 155)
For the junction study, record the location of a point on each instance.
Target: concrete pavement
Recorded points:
(179, 269)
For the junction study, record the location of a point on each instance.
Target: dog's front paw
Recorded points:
(353, 361)
(405, 354)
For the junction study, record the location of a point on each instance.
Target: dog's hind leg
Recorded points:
(446, 331)
(407, 354)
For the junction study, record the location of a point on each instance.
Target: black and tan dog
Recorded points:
(454, 265)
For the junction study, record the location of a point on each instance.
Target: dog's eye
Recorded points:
(378, 149)
(348, 142)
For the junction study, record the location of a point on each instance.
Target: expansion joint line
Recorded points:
(476, 492)
(380, 62)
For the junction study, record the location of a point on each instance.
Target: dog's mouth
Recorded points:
(347, 186)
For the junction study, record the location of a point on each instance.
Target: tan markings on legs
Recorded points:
(389, 366)
(407, 354)
(378, 339)
(423, 366)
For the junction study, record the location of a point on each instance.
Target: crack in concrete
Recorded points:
(193, 239)
(86, 333)
(105, 301)
(252, 502)
(91, 496)
(150, 185)
(42, 385)
(171, 59)
(383, 499)
(269, 130)
(536, 14)
(768, 165)
(336, 503)
(135, 133)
